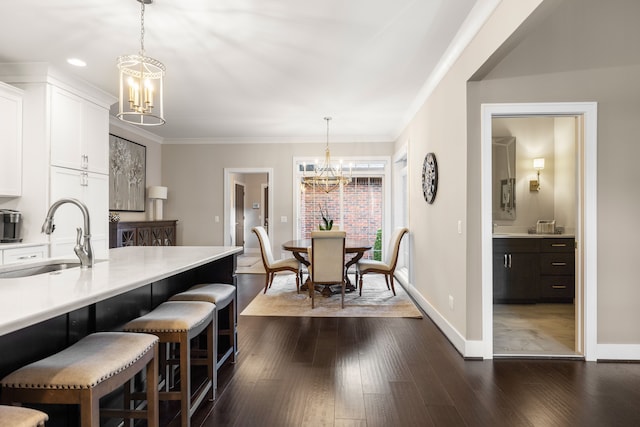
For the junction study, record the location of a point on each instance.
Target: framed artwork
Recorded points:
(127, 175)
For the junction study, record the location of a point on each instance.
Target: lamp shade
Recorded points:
(538, 164)
(158, 192)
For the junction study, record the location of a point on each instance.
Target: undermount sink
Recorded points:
(32, 269)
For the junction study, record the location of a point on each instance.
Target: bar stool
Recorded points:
(17, 416)
(86, 371)
(178, 322)
(222, 295)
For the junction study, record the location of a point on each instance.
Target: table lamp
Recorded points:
(157, 194)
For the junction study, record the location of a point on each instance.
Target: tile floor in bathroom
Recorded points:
(534, 329)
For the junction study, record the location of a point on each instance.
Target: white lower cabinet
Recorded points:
(26, 254)
(93, 190)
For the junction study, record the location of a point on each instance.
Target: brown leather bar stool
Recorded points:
(86, 371)
(178, 322)
(222, 295)
(17, 416)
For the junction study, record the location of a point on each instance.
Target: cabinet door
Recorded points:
(524, 275)
(66, 134)
(95, 137)
(79, 133)
(500, 275)
(91, 189)
(11, 141)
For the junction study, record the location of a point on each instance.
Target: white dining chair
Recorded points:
(326, 257)
(387, 266)
(271, 265)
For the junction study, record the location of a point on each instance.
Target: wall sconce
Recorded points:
(538, 165)
(157, 195)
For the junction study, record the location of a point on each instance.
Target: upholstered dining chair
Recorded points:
(387, 266)
(271, 265)
(326, 261)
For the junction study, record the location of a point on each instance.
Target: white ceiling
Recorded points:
(252, 69)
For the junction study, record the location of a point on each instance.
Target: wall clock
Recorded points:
(430, 177)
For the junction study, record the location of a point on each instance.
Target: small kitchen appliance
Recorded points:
(10, 223)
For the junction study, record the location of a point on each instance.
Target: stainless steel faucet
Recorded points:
(83, 240)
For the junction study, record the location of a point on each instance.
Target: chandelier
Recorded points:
(325, 177)
(141, 85)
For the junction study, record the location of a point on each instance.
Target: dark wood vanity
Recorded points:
(533, 269)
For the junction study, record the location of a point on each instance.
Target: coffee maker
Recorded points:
(10, 222)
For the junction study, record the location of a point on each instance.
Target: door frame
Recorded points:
(227, 196)
(234, 210)
(586, 225)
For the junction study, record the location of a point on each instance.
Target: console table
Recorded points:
(142, 233)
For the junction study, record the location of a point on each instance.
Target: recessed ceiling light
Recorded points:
(77, 62)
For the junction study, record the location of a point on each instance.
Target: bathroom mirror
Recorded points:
(504, 177)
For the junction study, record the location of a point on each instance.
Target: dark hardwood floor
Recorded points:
(402, 372)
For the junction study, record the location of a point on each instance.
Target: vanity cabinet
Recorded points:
(79, 133)
(557, 270)
(516, 270)
(11, 141)
(533, 269)
(142, 233)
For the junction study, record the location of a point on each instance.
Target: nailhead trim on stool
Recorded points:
(179, 322)
(17, 416)
(84, 372)
(221, 295)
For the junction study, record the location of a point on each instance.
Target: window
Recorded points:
(357, 207)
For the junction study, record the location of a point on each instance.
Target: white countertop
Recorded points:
(531, 236)
(28, 300)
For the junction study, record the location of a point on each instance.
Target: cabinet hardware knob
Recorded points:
(509, 260)
(558, 264)
(504, 258)
(28, 256)
(559, 286)
(559, 245)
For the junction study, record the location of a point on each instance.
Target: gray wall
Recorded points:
(194, 174)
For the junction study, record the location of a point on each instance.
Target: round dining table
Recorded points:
(356, 247)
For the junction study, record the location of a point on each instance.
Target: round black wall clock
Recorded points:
(430, 177)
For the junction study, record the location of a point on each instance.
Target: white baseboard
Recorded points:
(466, 348)
(618, 352)
(475, 348)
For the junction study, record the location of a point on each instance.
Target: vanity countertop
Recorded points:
(532, 236)
(28, 300)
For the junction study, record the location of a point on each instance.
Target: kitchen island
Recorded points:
(44, 313)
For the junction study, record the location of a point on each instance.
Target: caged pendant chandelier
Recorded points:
(141, 85)
(325, 177)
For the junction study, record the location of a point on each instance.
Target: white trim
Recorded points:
(316, 139)
(227, 198)
(466, 348)
(618, 351)
(586, 232)
(114, 122)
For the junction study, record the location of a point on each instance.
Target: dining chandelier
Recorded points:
(326, 177)
(141, 85)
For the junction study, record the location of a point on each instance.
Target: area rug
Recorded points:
(376, 301)
(247, 264)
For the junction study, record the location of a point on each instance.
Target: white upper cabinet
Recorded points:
(79, 133)
(10, 141)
